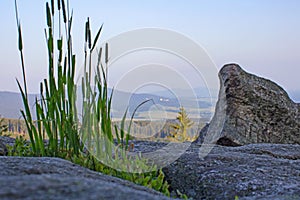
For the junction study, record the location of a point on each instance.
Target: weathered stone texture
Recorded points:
(255, 171)
(53, 178)
(256, 110)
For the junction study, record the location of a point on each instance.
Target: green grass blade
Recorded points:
(58, 5)
(20, 38)
(123, 126)
(30, 132)
(135, 110)
(52, 7)
(64, 11)
(48, 12)
(106, 53)
(97, 37)
(117, 133)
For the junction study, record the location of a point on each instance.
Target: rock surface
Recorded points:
(255, 171)
(3, 149)
(53, 178)
(4, 141)
(251, 109)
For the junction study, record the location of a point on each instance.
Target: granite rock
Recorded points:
(251, 109)
(53, 178)
(254, 171)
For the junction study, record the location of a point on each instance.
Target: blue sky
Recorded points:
(263, 36)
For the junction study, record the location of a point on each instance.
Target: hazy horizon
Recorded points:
(261, 36)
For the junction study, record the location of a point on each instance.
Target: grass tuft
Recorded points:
(57, 130)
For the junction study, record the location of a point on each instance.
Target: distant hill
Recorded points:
(156, 100)
(199, 92)
(11, 103)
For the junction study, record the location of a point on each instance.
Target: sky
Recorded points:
(262, 36)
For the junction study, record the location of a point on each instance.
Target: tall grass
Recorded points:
(55, 108)
(97, 130)
(57, 116)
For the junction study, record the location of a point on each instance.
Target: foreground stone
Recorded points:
(251, 109)
(255, 171)
(53, 178)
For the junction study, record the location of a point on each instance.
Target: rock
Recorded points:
(4, 141)
(255, 171)
(202, 134)
(3, 149)
(251, 109)
(53, 178)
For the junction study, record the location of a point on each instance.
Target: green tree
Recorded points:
(180, 129)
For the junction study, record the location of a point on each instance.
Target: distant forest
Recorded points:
(15, 125)
(141, 130)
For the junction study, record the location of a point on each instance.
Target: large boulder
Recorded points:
(254, 171)
(251, 109)
(254, 112)
(53, 178)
